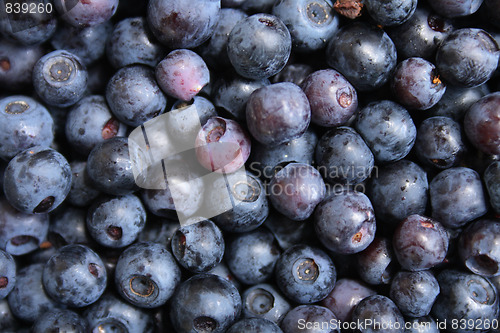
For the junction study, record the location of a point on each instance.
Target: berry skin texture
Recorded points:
(222, 145)
(198, 247)
(205, 302)
(16, 64)
(278, 113)
(466, 296)
(305, 274)
(375, 264)
(300, 318)
(182, 74)
(146, 274)
(259, 46)
(420, 243)
(479, 247)
(264, 301)
(414, 292)
(333, 99)
(492, 183)
(387, 129)
(379, 309)
(456, 8)
(60, 78)
(482, 126)
(24, 123)
(391, 13)
(311, 23)
(365, 55)
(86, 13)
(457, 197)
(37, 180)
(75, 276)
(134, 96)
(182, 24)
(7, 274)
(296, 190)
(458, 66)
(416, 84)
(59, 320)
(345, 222)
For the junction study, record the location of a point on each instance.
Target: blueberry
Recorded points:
(252, 256)
(416, 84)
(28, 300)
(379, 314)
(134, 96)
(16, 64)
(88, 43)
(265, 302)
(457, 197)
(266, 160)
(60, 78)
(86, 14)
(421, 34)
(132, 42)
(259, 46)
(198, 247)
(456, 101)
(222, 145)
(205, 302)
(481, 126)
(21, 233)
(29, 26)
(68, 226)
(390, 13)
(159, 231)
(146, 274)
(24, 123)
(492, 182)
(333, 99)
(289, 233)
(420, 243)
(387, 129)
(466, 296)
(60, 321)
(232, 93)
(37, 180)
(8, 322)
(309, 319)
(456, 8)
(478, 247)
(250, 206)
(315, 25)
(365, 55)
(214, 51)
(293, 72)
(345, 296)
(254, 325)
(182, 74)
(111, 314)
(75, 276)
(278, 113)
(399, 190)
(183, 23)
(116, 222)
(343, 156)
(345, 222)
(8, 274)
(305, 274)
(439, 142)
(459, 67)
(188, 198)
(375, 264)
(109, 167)
(91, 122)
(296, 190)
(414, 292)
(81, 193)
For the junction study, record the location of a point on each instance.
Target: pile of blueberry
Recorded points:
(341, 173)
